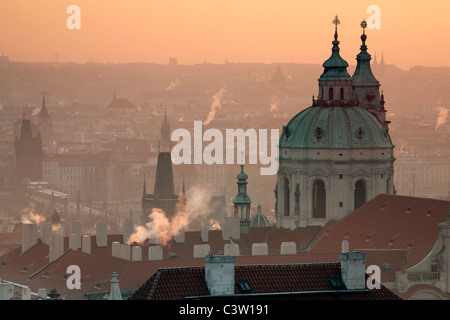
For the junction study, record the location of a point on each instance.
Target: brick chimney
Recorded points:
(219, 274)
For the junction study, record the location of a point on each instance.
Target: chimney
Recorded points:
(73, 242)
(180, 237)
(46, 232)
(116, 249)
(219, 274)
(128, 229)
(201, 250)
(75, 228)
(101, 234)
(136, 253)
(353, 269)
(86, 244)
(155, 253)
(56, 247)
(29, 236)
(125, 252)
(42, 293)
(204, 230)
(231, 228)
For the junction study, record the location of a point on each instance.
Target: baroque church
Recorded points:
(335, 155)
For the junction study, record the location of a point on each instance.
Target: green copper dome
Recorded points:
(335, 127)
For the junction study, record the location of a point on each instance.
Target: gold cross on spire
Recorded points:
(336, 21)
(364, 25)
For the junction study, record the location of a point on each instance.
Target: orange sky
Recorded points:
(412, 33)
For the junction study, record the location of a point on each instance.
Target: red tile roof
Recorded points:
(385, 223)
(296, 281)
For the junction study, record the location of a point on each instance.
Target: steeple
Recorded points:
(242, 201)
(366, 88)
(363, 75)
(335, 68)
(335, 82)
(44, 112)
(164, 143)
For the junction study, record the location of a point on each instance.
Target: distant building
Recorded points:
(28, 154)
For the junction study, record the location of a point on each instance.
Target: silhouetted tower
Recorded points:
(163, 196)
(242, 201)
(28, 154)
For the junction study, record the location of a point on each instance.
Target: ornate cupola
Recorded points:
(335, 82)
(242, 201)
(366, 88)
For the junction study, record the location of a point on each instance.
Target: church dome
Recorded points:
(335, 127)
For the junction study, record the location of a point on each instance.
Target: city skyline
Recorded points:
(201, 31)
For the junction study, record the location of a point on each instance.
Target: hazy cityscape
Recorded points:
(89, 180)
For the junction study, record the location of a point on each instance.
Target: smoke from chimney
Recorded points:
(216, 104)
(30, 216)
(442, 117)
(166, 228)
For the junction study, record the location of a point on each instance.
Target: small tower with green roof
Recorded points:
(242, 202)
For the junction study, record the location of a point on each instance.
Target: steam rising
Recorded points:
(165, 228)
(30, 216)
(442, 117)
(216, 104)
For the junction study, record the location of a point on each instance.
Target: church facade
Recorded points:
(337, 154)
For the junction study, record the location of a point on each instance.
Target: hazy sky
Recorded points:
(412, 32)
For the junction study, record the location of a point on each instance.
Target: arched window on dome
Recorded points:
(341, 94)
(330, 94)
(319, 199)
(360, 194)
(286, 197)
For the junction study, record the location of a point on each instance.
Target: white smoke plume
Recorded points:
(442, 117)
(30, 216)
(173, 85)
(216, 104)
(35, 111)
(165, 228)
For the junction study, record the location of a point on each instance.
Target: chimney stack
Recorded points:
(56, 247)
(219, 274)
(353, 269)
(29, 236)
(86, 244)
(75, 229)
(101, 234)
(128, 229)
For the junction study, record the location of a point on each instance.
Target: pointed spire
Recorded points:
(164, 142)
(335, 68)
(144, 190)
(363, 75)
(44, 111)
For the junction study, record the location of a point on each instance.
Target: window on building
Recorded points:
(360, 194)
(319, 199)
(341, 94)
(286, 197)
(330, 94)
